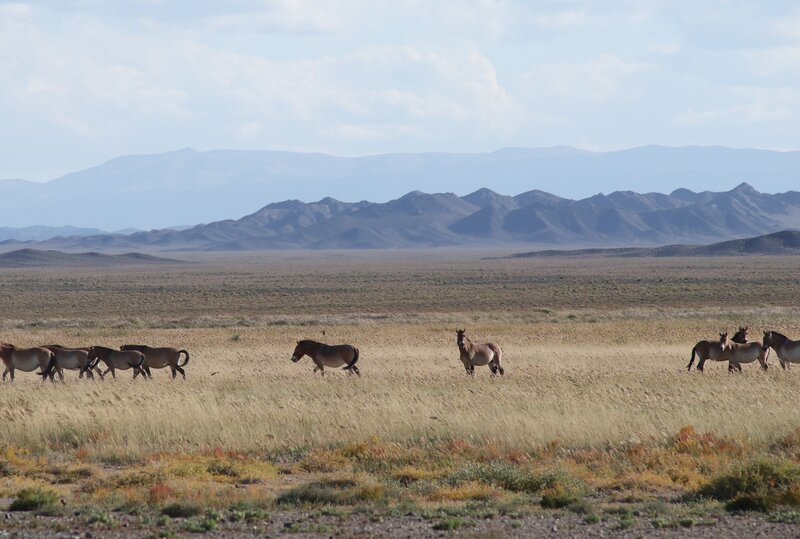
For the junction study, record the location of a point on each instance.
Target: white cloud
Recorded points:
(15, 9)
(600, 79)
(758, 106)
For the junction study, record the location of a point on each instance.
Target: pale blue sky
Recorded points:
(82, 81)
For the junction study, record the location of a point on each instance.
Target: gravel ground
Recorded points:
(299, 524)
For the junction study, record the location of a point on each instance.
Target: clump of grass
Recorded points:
(556, 482)
(757, 486)
(181, 510)
(339, 491)
(450, 524)
(219, 467)
(33, 499)
(499, 474)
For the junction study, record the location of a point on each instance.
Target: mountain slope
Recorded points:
(786, 242)
(483, 218)
(186, 186)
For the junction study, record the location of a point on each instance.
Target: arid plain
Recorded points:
(595, 427)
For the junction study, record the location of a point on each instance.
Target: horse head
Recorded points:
(741, 335)
(460, 337)
(299, 351)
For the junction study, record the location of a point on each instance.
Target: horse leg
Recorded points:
(180, 370)
(701, 361)
(5, 372)
(355, 370)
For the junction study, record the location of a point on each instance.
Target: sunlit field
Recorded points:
(596, 406)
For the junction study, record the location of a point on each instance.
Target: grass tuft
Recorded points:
(33, 499)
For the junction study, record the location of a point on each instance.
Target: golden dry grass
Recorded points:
(560, 384)
(596, 386)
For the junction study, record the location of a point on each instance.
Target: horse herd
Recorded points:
(54, 359)
(738, 349)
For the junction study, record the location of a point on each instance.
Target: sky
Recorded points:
(83, 81)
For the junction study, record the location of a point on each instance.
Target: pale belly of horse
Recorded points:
(479, 360)
(331, 361)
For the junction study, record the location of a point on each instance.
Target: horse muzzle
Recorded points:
(295, 359)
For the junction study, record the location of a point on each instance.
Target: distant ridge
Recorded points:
(786, 242)
(482, 219)
(26, 258)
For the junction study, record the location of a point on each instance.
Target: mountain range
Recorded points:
(189, 187)
(483, 218)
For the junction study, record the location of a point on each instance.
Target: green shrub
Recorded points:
(180, 510)
(756, 486)
(450, 524)
(33, 499)
(334, 492)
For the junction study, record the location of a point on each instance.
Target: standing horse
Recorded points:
(25, 359)
(324, 355)
(472, 354)
(158, 358)
(744, 353)
(118, 359)
(787, 350)
(713, 350)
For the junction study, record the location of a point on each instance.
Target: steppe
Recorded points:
(596, 427)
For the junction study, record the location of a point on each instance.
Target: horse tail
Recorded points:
(355, 358)
(141, 361)
(51, 365)
(691, 360)
(498, 352)
(179, 358)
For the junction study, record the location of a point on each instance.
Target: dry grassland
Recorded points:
(596, 387)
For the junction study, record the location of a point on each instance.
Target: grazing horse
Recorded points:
(324, 355)
(24, 359)
(158, 358)
(472, 354)
(788, 351)
(714, 350)
(72, 359)
(744, 353)
(118, 359)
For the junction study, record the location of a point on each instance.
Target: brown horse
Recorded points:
(324, 355)
(158, 358)
(479, 354)
(738, 353)
(705, 350)
(71, 359)
(787, 350)
(117, 359)
(25, 359)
